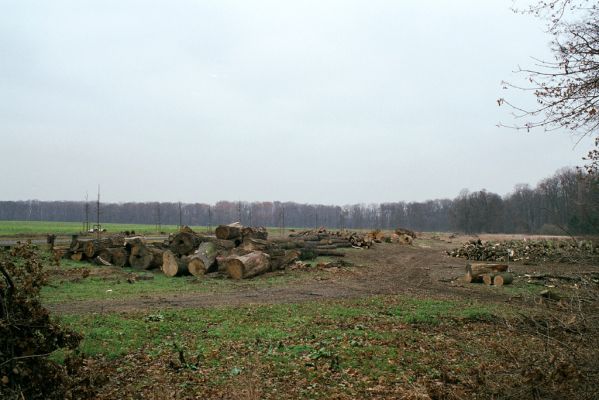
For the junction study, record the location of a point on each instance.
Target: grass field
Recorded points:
(112, 284)
(29, 228)
(13, 228)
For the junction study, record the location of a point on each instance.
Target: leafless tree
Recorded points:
(566, 87)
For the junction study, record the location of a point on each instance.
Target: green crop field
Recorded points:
(12, 228)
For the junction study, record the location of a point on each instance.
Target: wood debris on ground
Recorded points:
(567, 251)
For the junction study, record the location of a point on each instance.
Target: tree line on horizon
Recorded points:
(565, 203)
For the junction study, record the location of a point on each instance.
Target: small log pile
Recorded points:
(490, 274)
(105, 251)
(530, 251)
(322, 237)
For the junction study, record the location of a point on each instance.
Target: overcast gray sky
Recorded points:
(310, 101)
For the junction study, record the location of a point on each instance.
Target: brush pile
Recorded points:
(530, 251)
(28, 335)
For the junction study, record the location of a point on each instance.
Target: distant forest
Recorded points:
(567, 202)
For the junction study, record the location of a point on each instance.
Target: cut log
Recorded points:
(119, 256)
(281, 262)
(488, 279)
(504, 278)
(173, 265)
(251, 244)
(140, 256)
(77, 256)
(221, 244)
(94, 247)
(475, 271)
(156, 258)
(290, 245)
(203, 260)
(105, 254)
(254, 232)
(247, 266)
(228, 232)
(329, 253)
(326, 247)
(221, 263)
(183, 243)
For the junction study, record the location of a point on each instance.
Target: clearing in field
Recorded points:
(390, 321)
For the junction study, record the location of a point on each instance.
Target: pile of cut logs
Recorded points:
(236, 251)
(321, 238)
(355, 239)
(490, 274)
(109, 250)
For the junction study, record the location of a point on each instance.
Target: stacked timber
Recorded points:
(141, 255)
(236, 251)
(325, 237)
(102, 251)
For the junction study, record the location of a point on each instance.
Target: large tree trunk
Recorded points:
(254, 232)
(183, 243)
(329, 253)
(475, 271)
(220, 243)
(288, 245)
(140, 256)
(203, 260)
(247, 266)
(250, 244)
(105, 255)
(118, 256)
(173, 265)
(228, 232)
(281, 261)
(94, 247)
(156, 258)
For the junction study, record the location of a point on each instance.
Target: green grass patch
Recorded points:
(349, 327)
(16, 228)
(323, 348)
(25, 228)
(61, 290)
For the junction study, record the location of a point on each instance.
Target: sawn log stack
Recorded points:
(236, 251)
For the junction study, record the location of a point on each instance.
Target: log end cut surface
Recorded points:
(170, 267)
(235, 268)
